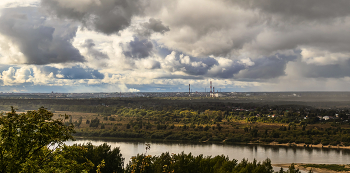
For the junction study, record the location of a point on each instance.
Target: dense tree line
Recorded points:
(238, 126)
(329, 136)
(183, 163)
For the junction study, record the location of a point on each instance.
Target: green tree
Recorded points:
(95, 122)
(114, 161)
(26, 138)
(65, 159)
(78, 123)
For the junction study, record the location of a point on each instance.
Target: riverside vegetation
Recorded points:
(33, 142)
(200, 120)
(236, 124)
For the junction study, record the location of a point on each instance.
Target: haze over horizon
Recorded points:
(157, 45)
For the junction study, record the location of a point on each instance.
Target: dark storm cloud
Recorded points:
(261, 68)
(288, 25)
(90, 45)
(156, 26)
(138, 49)
(141, 46)
(226, 28)
(41, 44)
(107, 16)
(199, 66)
(300, 9)
(267, 67)
(324, 71)
(208, 67)
(150, 27)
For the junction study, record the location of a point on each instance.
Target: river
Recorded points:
(277, 154)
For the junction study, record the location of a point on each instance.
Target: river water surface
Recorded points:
(276, 154)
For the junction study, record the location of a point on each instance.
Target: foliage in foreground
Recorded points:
(26, 139)
(187, 163)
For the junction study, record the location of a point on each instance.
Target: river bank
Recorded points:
(307, 145)
(292, 145)
(304, 167)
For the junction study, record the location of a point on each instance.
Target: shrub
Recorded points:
(325, 142)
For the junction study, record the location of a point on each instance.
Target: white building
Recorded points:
(216, 95)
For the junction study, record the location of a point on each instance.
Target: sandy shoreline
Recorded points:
(307, 145)
(300, 167)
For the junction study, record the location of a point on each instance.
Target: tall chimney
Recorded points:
(189, 89)
(211, 87)
(213, 91)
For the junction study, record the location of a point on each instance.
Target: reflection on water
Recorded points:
(277, 154)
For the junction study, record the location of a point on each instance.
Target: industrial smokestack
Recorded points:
(189, 89)
(211, 87)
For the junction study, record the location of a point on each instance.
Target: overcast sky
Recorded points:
(164, 45)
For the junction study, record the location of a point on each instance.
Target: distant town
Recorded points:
(300, 96)
(105, 95)
(140, 94)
